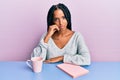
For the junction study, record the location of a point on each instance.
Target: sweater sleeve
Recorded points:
(82, 57)
(41, 49)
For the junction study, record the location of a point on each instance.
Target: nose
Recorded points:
(60, 21)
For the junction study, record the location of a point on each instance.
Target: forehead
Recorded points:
(58, 13)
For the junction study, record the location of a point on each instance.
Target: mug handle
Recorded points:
(28, 63)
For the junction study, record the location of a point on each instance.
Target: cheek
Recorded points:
(66, 22)
(56, 24)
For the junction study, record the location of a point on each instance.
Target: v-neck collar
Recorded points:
(66, 43)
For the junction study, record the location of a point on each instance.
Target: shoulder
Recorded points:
(44, 34)
(77, 34)
(80, 40)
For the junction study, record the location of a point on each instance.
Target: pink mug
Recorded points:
(36, 64)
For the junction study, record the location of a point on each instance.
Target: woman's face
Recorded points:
(59, 19)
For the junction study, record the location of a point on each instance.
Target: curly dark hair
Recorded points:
(65, 11)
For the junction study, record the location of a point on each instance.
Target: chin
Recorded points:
(63, 29)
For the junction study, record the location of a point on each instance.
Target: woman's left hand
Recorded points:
(53, 60)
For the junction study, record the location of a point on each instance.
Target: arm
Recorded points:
(53, 60)
(41, 49)
(82, 57)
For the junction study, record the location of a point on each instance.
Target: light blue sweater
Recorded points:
(75, 51)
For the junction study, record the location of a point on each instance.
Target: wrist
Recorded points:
(46, 38)
(61, 58)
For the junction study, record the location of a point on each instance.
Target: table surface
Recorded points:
(20, 71)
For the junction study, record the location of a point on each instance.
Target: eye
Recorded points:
(63, 17)
(55, 19)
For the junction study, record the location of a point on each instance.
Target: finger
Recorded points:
(46, 61)
(56, 28)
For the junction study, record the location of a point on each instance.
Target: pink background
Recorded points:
(23, 21)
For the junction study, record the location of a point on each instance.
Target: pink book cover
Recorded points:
(73, 70)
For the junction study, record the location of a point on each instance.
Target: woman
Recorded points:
(60, 43)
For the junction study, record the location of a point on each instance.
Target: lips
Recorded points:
(61, 26)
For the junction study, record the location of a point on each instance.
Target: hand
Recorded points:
(52, 29)
(53, 60)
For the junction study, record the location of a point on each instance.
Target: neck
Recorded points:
(62, 32)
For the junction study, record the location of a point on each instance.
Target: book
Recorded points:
(73, 70)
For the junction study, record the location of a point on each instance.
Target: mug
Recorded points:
(36, 64)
